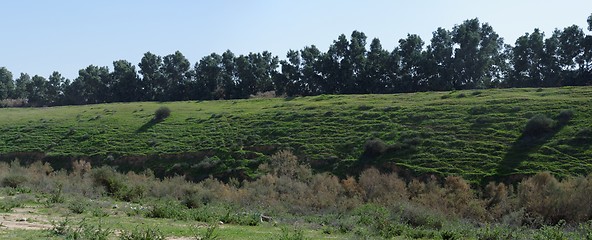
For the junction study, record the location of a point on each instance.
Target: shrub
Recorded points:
(161, 113)
(564, 116)
(142, 234)
(78, 206)
(167, 209)
(110, 179)
(374, 148)
(8, 205)
(82, 230)
(14, 181)
(209, 234)
(538, 125)
(291, 234)
(494, 233)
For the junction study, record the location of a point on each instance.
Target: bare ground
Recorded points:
(24, 218)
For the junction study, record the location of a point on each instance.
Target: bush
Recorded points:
(14, 181)
(78, 206)
(161, 113)
(8, 205)
(110, 179)
(564, 116)
(167, 209)
(538, 125)
(83, 230)
(374, 148)
(142, 234)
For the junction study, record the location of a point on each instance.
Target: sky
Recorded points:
(39, 37)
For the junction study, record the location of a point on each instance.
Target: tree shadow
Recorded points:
(523, 147)
(147, 125)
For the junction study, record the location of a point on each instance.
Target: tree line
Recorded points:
(471, 55)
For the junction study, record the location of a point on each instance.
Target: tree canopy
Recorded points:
(470, 55)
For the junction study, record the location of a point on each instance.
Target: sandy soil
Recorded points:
(24, 218)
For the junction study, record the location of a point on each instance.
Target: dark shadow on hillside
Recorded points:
(523, 147)
(147, 125)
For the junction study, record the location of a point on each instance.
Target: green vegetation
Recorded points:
(471, 55)
(291, 202)
(479, 137)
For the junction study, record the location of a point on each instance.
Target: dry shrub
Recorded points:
(547, 201)
(285, 163)
(460, 199)
(260, 95)
(328, 192)
(415, 188)
(382, 188)
(80, 168)
(174, 187)
(20, 102)
(497, 202)
(352, 188)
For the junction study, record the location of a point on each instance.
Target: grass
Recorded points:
(477, 136)
(117, 223)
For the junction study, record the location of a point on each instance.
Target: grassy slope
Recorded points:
(468, 133)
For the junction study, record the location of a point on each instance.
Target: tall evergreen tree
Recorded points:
(6, 84)
(377, 77)
(20, 91)
(176, 68)
(313, 79)
(477, 59)
(37, 91)
(126, 83)
(153, 80)
(571, 55)
(207, 76)
(55, 88)
(438, 61)
(410, 50)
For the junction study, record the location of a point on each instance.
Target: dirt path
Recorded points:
(23, 218)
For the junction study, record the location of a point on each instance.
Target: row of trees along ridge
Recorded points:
(471, 55)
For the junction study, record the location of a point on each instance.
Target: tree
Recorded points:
(312, 70)
(20, 91)
(264, 67)
(571, 55)
(37, 91)
(410, 50)
(551, 70)
(337, 68)
(357, 59)
(246, 83)
(6, 83)
(228, 77)
(438, 61)
(175, 69)
(377, 77)
(528, 60)
(290, 82)
(590, 23)
(207, 76)
(153, 81)
(55, 88)
(95, 84)
(587, 57)
(126, 83)
(477, 59)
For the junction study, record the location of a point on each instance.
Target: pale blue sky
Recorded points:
(38, 37)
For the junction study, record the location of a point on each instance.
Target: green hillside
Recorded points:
(477, 134)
